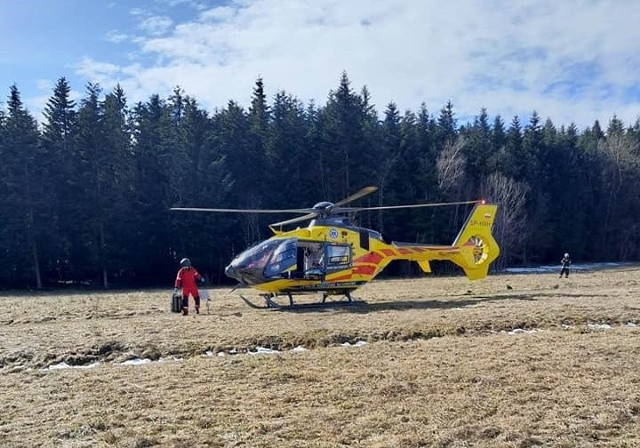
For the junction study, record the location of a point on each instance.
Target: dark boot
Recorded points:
(185, 305)
(197, 300)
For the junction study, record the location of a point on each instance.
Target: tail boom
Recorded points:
(474, 249)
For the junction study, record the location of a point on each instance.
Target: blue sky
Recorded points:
(571, 61)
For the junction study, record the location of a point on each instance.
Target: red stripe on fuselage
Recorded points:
(371, 257)
(364, 270)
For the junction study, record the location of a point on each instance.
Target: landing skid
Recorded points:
(270, 302)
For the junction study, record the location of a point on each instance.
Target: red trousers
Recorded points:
(185, 299)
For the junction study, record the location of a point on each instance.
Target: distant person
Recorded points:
(186, 279)
(565, 263)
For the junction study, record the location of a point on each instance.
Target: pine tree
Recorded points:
(390, 151)
(232, 137)
(447, 129)
(152, 155)
(344, 120)
(83, 263)
(259, 120)
(478, 151)
(511, 166)
(290, 154)
(59, 141)
(23, 196)
(106, 149)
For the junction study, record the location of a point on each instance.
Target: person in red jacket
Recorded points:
(186, 279)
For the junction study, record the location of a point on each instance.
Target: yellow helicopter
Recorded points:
(333, 257)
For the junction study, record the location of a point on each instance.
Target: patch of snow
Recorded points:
(357, 344)
(568, 327)
(64, 365)
(299, 348)
(136, 362)
(466, 307)
(220, 354)
(263, 351)
(631, 324)
(527, 270)
(556, 268)
(599, 326)
(174, 358)
(522, 331)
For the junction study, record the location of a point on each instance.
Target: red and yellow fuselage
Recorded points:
(363, 254)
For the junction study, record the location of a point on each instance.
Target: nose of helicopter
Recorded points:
(230, 271)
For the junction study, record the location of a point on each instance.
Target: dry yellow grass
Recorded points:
(440, 368)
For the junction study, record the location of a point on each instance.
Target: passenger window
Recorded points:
(338, 256)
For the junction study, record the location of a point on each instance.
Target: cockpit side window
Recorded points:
(283, 258)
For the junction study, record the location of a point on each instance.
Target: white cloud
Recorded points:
(156, 25)
(570, 61)
(101, 72)
(116, 37)
(44, 84)
(192, 3)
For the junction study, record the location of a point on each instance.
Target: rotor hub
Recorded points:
(324, 208)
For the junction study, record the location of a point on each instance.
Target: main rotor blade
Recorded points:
(365, 191)
(293, 220)
(395, 207)
(240, 210)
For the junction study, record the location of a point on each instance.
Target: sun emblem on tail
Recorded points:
(480, 249)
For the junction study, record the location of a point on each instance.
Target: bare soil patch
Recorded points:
(509, 361)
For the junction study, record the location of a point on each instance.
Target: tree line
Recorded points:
(85, 194)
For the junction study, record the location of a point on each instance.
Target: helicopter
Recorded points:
(332, 256)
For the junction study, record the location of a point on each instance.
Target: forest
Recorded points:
(85, 192)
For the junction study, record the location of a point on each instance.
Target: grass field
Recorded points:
(509, 361)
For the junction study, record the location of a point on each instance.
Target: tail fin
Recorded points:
(477, 247)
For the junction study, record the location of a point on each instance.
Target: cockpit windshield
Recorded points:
(257, 256)
(268, 259)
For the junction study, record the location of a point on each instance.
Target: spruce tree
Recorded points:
(60, 144)
(23, 197)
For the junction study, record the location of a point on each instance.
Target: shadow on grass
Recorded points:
(360, 306)
(405, 305)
